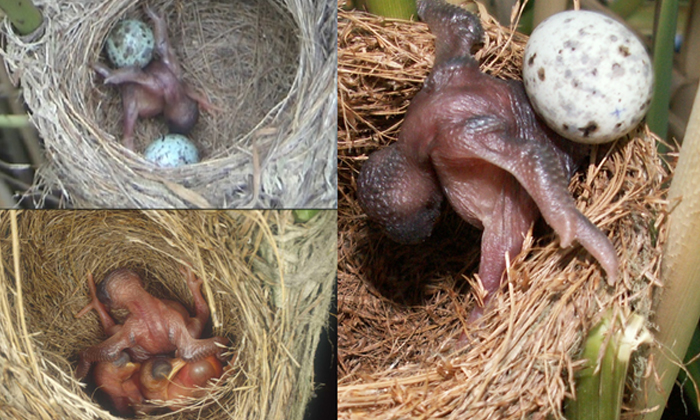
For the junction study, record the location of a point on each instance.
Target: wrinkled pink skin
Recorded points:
(475, 140)
(119, 381)
(170, 380)
(153, 326)
(156, 89)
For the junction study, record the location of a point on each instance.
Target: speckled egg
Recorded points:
(130, 44)
(172, 150)
(588, 76)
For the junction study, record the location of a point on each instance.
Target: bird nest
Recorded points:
(268, 67)
(402, 308)
(267, 280)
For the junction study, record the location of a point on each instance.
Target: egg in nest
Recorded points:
(130, 43)
(172, 150)
(587, 76)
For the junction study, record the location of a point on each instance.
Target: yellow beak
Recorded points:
(177, 365)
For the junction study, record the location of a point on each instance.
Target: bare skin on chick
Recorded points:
(475, 140)
(173, 380)
(119, 380)
(192, 379)
(156, 89)
(153, 326)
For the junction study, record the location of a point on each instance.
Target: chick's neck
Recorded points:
(141, 304)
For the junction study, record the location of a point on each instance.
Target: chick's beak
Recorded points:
(177, 365)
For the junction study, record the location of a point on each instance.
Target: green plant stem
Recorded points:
(25, 17)
(664, 37)
(586, 405)
(11, 140)
(7, 199)
(303, 216)
(395, 9)
(678, 311)
(14, 121)
(527, 21)
(692, 369)
(600, 385)
(625, 8)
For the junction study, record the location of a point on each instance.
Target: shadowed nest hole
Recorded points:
(273, 341)
(401, 308)
(268, 68)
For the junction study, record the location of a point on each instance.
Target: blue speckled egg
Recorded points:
(130, 44)
(172, 150)
(587, 76)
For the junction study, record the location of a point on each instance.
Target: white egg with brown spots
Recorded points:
(587, 76)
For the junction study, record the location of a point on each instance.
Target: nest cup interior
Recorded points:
(241, 54)
(58, 249)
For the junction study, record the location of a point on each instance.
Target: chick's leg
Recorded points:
(131, 115)
(102, 70)
(538, 167)
(190, 349)
(201, 99)
(492, 198)
(136, 76)
(196, 324)
(108, 323)
(137, 103)
(107, 351)
(163, 47)
(514, 213)
(502, 238)
(146, 102)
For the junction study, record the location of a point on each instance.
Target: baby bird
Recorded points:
(119, 380)
(153, 326)
(157, 88)
(173, 380)
(192, 379)
(474, 141)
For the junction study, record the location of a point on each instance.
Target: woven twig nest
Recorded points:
(401, 308)
(269, 66)
(268, 282)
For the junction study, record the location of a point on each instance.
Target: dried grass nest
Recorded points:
(269, 66)
(268, 282)
(402, 307)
